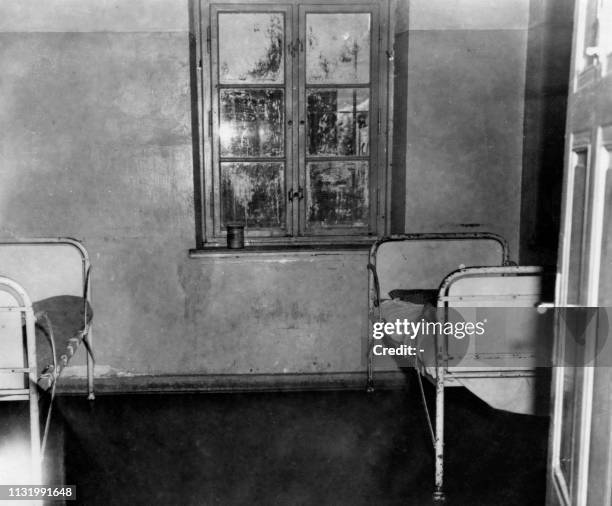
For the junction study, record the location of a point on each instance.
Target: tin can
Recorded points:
(235, 236)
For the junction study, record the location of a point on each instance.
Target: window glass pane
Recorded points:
(338, 121)
(253, 193)
(251, 48)
(338, 48)
(337, 194)
(605, 276)
(251, 122)
(568, 419)
(577, 232)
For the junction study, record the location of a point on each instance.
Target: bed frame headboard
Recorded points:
(422, 261)
(46, 267)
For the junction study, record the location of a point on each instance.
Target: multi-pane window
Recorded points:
(295, 98)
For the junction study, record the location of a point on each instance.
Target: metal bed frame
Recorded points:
(29, 393)
(86, 276)
(444, 376)
(23, 304)
(374, 298)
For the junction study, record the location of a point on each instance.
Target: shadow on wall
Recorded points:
(546, 88)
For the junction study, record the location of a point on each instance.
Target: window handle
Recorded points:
(299, 194)
(542, 307)
(595, 51)
(296, 47)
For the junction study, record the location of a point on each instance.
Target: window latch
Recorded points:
(299, 194)
(294, 47)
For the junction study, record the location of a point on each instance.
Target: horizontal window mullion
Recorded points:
(246, 159)
(336, 86)
(257, 86)
(339, 158)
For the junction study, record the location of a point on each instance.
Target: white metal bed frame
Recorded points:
(444, 375)
(23, 305)
(86, 276)
(374, 295)
(30, 393)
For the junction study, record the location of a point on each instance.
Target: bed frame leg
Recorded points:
(438, 495)
(370, 381)
(36, 464)
(370, 368)
(90, 371)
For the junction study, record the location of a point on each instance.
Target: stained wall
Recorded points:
(95, 110)
(97, 145)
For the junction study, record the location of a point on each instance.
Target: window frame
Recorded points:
(209, 233)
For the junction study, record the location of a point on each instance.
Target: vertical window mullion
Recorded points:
(301, 117)
(215, 205)
(376, 153)
(293, 95)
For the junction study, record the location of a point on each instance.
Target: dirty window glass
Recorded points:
(251, 122)
(251, 48)
(338, 48)
(338, 96)
(292, 107)
(337, 194)
(338, 121)
(252, 194)
(251, 119)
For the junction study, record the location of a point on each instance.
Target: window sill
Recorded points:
(274, 251)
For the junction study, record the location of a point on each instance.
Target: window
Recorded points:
(594, 40)
(295, 96)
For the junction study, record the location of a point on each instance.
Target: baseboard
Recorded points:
(231, 383)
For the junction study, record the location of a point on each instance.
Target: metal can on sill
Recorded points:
(235, 236)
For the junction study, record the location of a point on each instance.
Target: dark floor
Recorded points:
(313, 448)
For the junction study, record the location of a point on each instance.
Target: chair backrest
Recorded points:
(422, 261)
